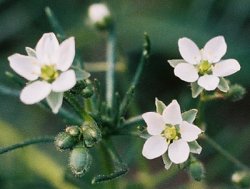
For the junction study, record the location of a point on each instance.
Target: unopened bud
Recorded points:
(73, 130)
(91, 133)
(77, 89)
(87, 92)
(241, 179)
(100, 16)
(235, 93)
(80, 160)
(64, 141)
(197, 170)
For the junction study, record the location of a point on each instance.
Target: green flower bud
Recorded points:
(64, 141)
(91, 133)
(197, 170)
(87, 92)
(73, 130)
(77, 89)
(80, 160)
(235, 93)
(241, 179)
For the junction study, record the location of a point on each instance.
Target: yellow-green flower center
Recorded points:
(170, 133)
(205, 67)
(49, 73)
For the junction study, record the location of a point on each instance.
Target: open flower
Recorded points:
(47, 69)
(204, 66)
(170, 132)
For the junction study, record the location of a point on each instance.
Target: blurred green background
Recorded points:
(22, 23)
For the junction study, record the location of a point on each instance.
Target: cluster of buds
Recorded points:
(78, 139)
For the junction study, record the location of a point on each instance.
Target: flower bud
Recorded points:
(64, 141)
(235, 93)
(87, 92)
(73, 130)
(241, 179)
(91, 133)
(80, 160)
(80, 85)
(197, 170)
(100, 16)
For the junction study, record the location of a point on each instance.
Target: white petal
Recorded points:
(30, 52)
(178, 151)
(64, 82)
(209, 82)
(226, 67)
(154, 147)
(215, 49)
(189, 51)
(189, 132)
(172, 113)
(186, 72)
(54, 101)
(175, 62)
(35, 92)
(25, 66)
(47, 49)
(155, 123)
(66, 54)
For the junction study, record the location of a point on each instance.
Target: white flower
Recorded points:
(47, 69)
(169, 132)
(98, 12)
(204, 66)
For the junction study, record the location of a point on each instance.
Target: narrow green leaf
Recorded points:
(195, 147)
(189, 115)
(119, 167)
(196, 89)
(160, 106)
(167, 162)
(55, 23)
(223, 85)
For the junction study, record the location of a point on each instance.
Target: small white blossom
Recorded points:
(98, 12)
(204, 66)
(47, 69)
(169, 132)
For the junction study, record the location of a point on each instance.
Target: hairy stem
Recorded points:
(225, 153)
(110, 74)
(46, 139)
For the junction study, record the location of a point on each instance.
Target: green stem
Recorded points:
(225, 153)
(73, 102)
(216, 146)
(54, 23)
(110, 74)
(130, 92)
(47, 139)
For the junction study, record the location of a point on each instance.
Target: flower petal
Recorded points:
(154, 147)
(186, 72)
(178, 151)
(155, 123)
(25, 66)
(46, 49)
(175, 62)
(209, 82)
(66, 54)
(64, 82)
(215, 49)
(35, 92)
(189, 132)
(54, 101)
(189, 51)
(172, 113)
(226, 67)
